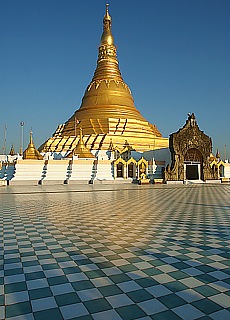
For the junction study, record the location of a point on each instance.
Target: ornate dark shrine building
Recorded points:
(190, 154)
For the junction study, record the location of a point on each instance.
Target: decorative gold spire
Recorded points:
(12, 152)
(107, 37)
(31, 152)
(111, 147)
(107, 63)
(81, 151)
(217, 154)
(31, 138)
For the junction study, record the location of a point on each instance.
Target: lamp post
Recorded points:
(225, 152)
(22, 123)
(4, 147)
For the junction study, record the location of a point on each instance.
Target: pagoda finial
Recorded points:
(107, 63)
(81, 134)
(107, 37)
(80, 142)
(217, 154)
(107, 16)
(31, 136)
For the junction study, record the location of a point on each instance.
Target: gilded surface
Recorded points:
(81, 150)
(31, 152)
(107, 110)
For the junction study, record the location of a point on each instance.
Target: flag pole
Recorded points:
(75, 127)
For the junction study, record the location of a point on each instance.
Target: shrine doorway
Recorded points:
(193, 164)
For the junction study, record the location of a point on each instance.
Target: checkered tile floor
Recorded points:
(115, 252)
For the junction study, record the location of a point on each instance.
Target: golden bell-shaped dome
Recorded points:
(107, 109)
(107, 95)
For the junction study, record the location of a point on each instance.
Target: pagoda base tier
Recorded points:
(102, 142)
(140, 135)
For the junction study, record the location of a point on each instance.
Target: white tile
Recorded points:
(163, 278)
(188, 312)
(119, 300)
(53, 273)
(129, 286)
(43, 304)
(27, 316)
(9, 266)
(189, 295)
(192, 271)
(36, 284)
(1, 288)
(76, 277)
(89, 294)
(191, 282)
(112, 271)
(222, 299)
(106, 315)
(220, 315)
(88, 267)
(166, 268)
(61, 288)
(152, 306)
(218, 265)
(72, 310)
(220, 275)
(101, 282)
(136, 274)
(14, 278)
(16, 297)
(47, 261)
(142, 265)
(158, 290)
(67, 264)
(120, 262)
(220, 286)
(32, 269)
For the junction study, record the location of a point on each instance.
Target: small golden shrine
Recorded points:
(12, 152)
(31, 152)
(81, 151)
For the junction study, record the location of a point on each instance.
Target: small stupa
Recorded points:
(12, 152)
(31, 152)
(81, 151)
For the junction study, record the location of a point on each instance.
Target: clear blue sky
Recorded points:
(173, 54)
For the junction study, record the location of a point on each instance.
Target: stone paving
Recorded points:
(115, 252)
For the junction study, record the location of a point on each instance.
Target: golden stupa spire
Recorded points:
(107, 37)
(107, 63)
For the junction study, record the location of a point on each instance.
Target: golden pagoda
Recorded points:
(31, 152)
(12, 152)
(107, 112)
